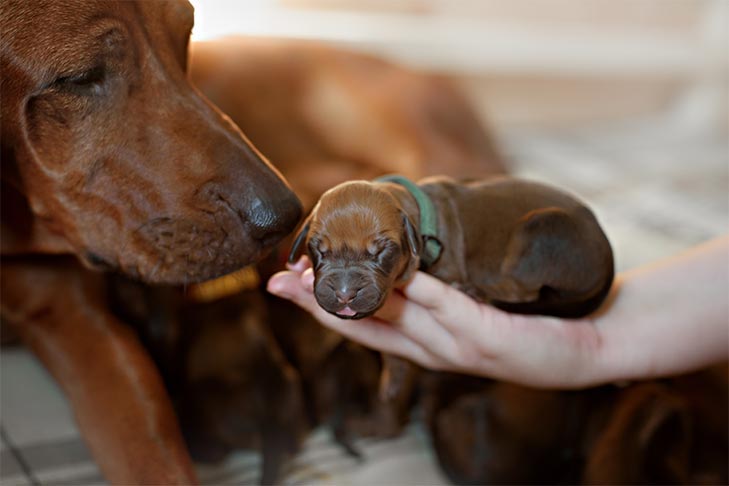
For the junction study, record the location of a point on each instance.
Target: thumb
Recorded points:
(287, 285)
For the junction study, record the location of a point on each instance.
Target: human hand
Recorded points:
(441, 328)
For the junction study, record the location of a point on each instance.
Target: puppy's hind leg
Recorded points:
(342, 436)
(555, 264)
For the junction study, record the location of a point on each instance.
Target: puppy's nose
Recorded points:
(345, 295)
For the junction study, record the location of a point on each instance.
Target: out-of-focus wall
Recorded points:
(526, 61)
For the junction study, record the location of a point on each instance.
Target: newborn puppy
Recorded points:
(522, 246)
(361, 244)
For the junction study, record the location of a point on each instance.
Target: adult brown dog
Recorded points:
(109, 154)
(519, 245)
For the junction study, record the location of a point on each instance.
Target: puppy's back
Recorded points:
(528, 247)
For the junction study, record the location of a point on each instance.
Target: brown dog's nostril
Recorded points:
(345, 295)
(268, 222)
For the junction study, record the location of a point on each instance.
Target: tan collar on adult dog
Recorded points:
(247, 278)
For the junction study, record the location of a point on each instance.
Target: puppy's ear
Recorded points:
(299, 240)
(411, 236)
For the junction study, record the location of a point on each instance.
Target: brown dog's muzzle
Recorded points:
(232, 228)
(201, 210)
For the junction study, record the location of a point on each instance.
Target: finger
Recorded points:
(430, 292)
(369, 332)
(284, 284)
(419, 325)
(307, 279)
(456, 311)
(301, 264)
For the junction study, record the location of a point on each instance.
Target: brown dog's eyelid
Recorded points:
(93, 75)
(105, 51)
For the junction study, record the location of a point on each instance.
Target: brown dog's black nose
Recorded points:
(269, 210)
(270, 220)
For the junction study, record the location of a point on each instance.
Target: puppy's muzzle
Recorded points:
(348, 293)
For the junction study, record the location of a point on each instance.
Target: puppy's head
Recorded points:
(361, 245)
(118, 155)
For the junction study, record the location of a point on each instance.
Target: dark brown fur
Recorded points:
(231, 383)
(671, 431)
(341, 378)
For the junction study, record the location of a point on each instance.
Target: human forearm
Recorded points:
(666, 318)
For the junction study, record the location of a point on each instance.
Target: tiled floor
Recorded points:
(656, 187)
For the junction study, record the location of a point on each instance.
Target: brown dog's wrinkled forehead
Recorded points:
(354, 214)
(77, 23)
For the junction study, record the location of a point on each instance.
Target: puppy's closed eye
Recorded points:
(387, 256)
(377, 246)
(318, 248)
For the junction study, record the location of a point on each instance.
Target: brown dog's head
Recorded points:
(113, 152)
(361, 244)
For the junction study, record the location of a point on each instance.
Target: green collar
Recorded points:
(432, 247)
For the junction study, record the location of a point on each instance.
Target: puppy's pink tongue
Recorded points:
(346, 312)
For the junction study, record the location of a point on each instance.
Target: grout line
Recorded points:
(19, 458)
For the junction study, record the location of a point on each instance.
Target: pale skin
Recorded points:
(661, 319)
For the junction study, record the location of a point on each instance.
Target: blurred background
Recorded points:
(545, 62)
(623, 102)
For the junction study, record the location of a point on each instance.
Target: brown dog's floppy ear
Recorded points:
(412, 237)
(300, 237)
